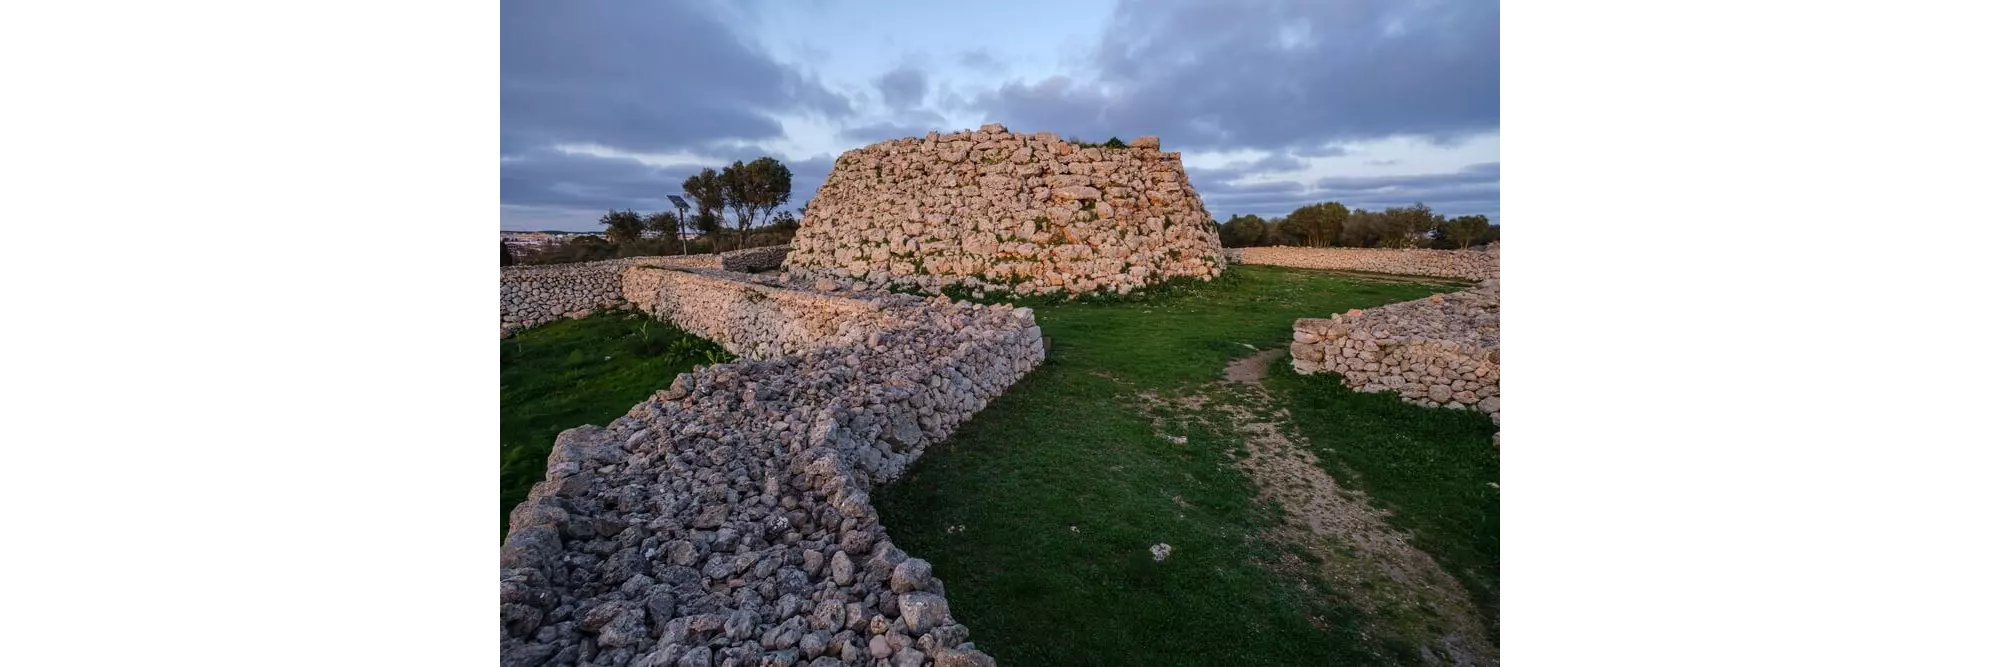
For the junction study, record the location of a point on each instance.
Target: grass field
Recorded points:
(575, 372)
(1437, 468)
(1040, 512)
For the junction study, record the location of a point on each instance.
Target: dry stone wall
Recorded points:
(531, 296)
(1440, 351)
(726, 520)
(752, 260)
(994, 210)
(1454, 264)
(535, 295)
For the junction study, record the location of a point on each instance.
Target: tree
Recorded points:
(1407, 226)
(784, 223)
(1363, 229)
(1242, 231)
(622, 226)
(707, 191)
(1320, 223)
(1465, 230)
(754, 190)
(668, 225)
(506, 256)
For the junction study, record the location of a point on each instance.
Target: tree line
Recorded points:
(1332, 224)
(753, 193)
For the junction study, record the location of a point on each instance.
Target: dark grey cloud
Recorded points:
(1474, 189)
(656, 77)
(1203, 177)
(553, 179)
(641, 77)
(1482, 173)
(1327, 150)
(903, 87)
(551, 189)
(1272, 74)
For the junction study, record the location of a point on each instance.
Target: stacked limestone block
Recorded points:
(1454, 264)
(755, 259)
(726, 521)
(1441, 351)
(535, 295)
(993, 210)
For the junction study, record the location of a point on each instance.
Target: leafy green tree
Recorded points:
(622, 226)
(754, 190)
(1491, 236)
(1319, 224)
(668, 225)
(1242, 231)
(1407, 226)
(1464, 231)
(784, 223)
(707, 191)
(1364, 229)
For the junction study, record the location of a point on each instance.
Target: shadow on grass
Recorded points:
(1436, 470)
(1039, 513)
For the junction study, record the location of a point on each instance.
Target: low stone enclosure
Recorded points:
(998, 211)
(531, 296)
(1455, 264)
(726, 520)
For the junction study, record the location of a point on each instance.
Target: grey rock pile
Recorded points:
(1440, 351)
(755, 259)
(531, 296)
(1454, 264)
(726, 520)
(536, 295)
(998, 211)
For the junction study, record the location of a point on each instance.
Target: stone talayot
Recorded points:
(1455, 264)
(727, 520)
(1013, 213)
(1439, 351)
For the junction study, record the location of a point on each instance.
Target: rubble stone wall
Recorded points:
(752, 260)
(531, 296)
(1454, 264)
(535, 295)
(726, 520)
(1440, 351)
(994, 210)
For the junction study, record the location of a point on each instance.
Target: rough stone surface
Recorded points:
(1454, 264)
(752, 260)
(1438, 351)
(708, 525)
(997, 211)
(531, 296)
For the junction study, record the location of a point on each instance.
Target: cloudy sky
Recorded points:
(1273, 105)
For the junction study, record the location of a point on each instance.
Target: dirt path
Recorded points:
(1403, 590)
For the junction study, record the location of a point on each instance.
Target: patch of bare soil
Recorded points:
(1405, 593)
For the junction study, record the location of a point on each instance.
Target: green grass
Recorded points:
(575, 372)
(1436, 468)
(1073, 445)
(1039, 512)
